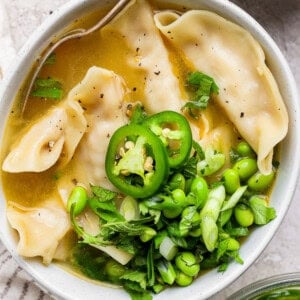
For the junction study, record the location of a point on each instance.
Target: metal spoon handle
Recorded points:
(73, 34)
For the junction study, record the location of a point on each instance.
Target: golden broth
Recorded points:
(73, 59)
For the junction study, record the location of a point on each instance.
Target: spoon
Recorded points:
(73, 34)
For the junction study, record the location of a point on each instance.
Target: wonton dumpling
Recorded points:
(248, 92)
(40, 228)
(102, 94)
(44, 142)
(148, 56)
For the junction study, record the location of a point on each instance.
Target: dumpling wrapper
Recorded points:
(40, 228)
(248, 92)
(102, 93)
(43, 229)
(147, 56)
(52, 137)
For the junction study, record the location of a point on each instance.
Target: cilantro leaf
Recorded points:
(51, 59)
(203, 87)
(102, 193)
(47, 88)
(263, 214)
(135, 276)
(138, 114)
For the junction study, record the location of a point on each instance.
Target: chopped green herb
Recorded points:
(203, 87)
(138, 114)
(263, 214)
(47, 88)
(51, 59)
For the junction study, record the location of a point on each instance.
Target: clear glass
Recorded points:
(279, 287)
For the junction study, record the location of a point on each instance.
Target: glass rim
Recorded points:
(267, 284)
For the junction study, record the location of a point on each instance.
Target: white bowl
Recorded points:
(62, 284)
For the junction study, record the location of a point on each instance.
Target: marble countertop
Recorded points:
(282, 20)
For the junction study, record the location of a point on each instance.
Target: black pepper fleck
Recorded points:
(134, 89)
(101, 96)
(242, 114)
(157, 73)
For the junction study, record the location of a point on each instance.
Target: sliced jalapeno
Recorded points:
(175, 132)
(136, 161)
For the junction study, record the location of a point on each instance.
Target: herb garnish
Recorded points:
(47, 88)
(203, 87)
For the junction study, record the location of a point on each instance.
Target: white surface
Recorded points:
(282, 254)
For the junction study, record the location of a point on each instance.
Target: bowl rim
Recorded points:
(40, 39)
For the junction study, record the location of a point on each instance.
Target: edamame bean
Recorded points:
(182, 279)
(177, 182)
(243, 215)
(113, 269)
(178, 201)
(233, 245)
(200, 189)
(245, 167)
(178, 196)
(231, 180)
(244, 149)
(186, 262)
(196, 232)
(147, 234)
(172, 213)
(260, 182)
(78, 197)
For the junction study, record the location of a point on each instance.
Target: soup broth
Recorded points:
(145, 57)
